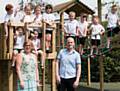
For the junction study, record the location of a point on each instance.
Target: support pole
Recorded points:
(44, 50)
(89, 78)
(101, 73)
(62, 27)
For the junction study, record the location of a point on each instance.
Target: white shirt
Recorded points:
(37, 19)
(36, 43)
(19, 42)
(71, 27)
(83, 27)
(9, 18)
(96, 29)
(112, 20)
(48, 17)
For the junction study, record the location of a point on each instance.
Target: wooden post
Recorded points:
(53, 60)
(62, 27)
(101, 73)
(44, 50)
(26, 31)
(53, 76)
(89, 76)
(10, 51)
(88, 63)
(0, 77)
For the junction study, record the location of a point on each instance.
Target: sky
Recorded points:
(91, 3)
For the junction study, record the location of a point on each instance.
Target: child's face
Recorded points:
(71, 16)
(35, 34)
(10, 11)
(114, 9)
(95, 20)
(49, 10)
(28, 10)
(38, 10)
(20, 30)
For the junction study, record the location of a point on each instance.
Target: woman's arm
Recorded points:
(18, 70)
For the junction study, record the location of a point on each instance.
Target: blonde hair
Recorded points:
(72, 13)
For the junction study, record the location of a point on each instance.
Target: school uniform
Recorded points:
(95, 35)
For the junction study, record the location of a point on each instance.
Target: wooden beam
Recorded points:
(44, 50)
(89, 73)
(101, 73)
(51, 55)
(53, 76)
(62, 27)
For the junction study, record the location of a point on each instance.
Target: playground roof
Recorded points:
(73, 5)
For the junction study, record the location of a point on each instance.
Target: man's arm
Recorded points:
(57, 72)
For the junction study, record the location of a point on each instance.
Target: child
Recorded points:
(71, 27)
(37, 19)
(96, 31)
(9, 17)
(83, 24)
(19, 41)
(49, 19)
(36, 41)
(27, 16)
(112, 18)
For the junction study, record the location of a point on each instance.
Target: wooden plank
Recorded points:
(89, 73)
(44, 50)
(51, 55)
(10, 77)
(101, 73)
(62, 27)
(0, 77)
(10, 41)
(53, 76)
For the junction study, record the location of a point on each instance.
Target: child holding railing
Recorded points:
(96, 31)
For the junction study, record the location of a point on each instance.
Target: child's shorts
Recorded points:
(95, 42)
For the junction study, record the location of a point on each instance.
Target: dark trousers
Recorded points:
(66, 84)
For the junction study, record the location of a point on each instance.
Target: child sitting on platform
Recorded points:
(19, 39)
(96, 31)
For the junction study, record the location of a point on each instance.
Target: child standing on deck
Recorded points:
(71, 27)
(96, 31)
(83, 24)
(49, 19)
(113, 20)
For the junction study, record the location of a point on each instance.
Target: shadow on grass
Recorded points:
(83, 88)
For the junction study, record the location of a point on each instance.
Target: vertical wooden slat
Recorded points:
(44, 50)
(62, 27)
(10, 51)
(101, 73)
(89, 73)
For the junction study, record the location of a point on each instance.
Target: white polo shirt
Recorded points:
(96, 29)
(112, 20)
(71, 27)
(83, 27)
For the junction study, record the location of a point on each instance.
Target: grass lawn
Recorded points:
(93, 87)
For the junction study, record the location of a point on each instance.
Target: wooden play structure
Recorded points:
(7, 75)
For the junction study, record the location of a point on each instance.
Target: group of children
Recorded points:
(29, 16)
(77, 29)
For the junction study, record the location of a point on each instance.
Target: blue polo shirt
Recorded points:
(68, 63)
